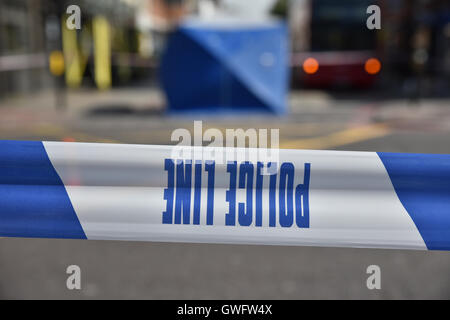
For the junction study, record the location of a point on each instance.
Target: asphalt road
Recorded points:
(36, 268)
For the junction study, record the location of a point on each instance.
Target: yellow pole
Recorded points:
(74, 72)
(102, 52)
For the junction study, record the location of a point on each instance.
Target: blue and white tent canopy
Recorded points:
(227, 64)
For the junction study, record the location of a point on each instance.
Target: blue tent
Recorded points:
(227, 65)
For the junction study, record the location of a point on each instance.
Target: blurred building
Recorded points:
(22, 45)
(31, 29)
(414, 41)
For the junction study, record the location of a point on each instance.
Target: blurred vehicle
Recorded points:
(340, 52)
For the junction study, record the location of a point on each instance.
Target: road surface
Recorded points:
(35, 268)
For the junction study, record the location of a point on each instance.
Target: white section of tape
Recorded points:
(117, 192)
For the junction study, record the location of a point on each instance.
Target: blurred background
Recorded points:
(325, 80)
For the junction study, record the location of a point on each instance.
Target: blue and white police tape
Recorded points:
(137, 192)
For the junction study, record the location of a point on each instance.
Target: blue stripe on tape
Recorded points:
(422, 183)
(33, 200)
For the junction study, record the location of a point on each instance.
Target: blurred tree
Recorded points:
(280, 9)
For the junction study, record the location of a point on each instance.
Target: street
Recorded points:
(36, 268)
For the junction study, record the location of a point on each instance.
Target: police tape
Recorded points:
(138, 192)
